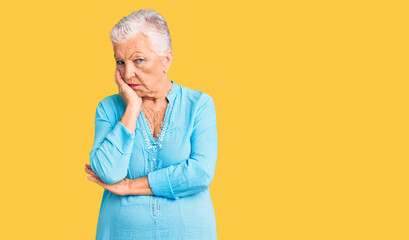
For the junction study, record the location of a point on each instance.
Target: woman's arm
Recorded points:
(138, 186)
(196, 173)
(130, 116)
(186, 178)
(113, 143)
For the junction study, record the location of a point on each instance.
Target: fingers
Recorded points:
(93, 176)
(89, 170)
(118, 78)
(96, 180)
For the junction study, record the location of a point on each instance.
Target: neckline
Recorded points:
(173, 91)
(149, 139)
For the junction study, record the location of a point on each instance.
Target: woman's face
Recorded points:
(139, 64)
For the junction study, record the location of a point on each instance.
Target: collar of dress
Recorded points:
(173, 91)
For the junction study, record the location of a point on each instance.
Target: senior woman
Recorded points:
(155, 146)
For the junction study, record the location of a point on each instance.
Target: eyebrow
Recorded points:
(131, 54)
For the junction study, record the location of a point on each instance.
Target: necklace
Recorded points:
(154, 116)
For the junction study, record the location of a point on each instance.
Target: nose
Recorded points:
(130, 71)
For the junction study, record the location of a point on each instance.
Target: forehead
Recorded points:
(138, 44)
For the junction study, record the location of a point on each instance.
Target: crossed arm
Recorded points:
(137, 186)
(112, 148)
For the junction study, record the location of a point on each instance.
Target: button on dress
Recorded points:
(180, 166)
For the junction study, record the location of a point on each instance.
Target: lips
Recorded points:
(133, 85)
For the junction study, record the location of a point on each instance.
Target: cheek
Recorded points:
(152, 69)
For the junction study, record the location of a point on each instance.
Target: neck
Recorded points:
(159, 95)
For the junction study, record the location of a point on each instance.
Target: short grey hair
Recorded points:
(147, 21)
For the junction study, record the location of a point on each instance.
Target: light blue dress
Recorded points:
(180, 166)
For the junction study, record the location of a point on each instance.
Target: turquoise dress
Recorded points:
(180, 166)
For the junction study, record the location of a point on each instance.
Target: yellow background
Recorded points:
(311, 100)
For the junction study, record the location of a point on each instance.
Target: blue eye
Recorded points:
(119, 62)
(139, 60)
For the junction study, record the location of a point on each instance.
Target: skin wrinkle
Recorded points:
(139, 64)
(154, 86)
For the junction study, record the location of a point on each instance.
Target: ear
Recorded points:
(167, 59)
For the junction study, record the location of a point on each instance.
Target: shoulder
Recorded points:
(196, 98)
(111, 101)
(111, 105)
(200, 103)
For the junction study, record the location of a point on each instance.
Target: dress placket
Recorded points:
(153, 145)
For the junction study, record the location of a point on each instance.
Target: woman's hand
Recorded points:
(120, 188)
(126, 92)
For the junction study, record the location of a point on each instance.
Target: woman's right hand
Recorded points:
(126, 92)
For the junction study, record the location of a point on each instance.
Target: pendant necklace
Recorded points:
(152, 117)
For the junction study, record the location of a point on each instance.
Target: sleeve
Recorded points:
(196, 173)
(111, 152)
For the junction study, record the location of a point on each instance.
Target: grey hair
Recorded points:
(147, 21)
